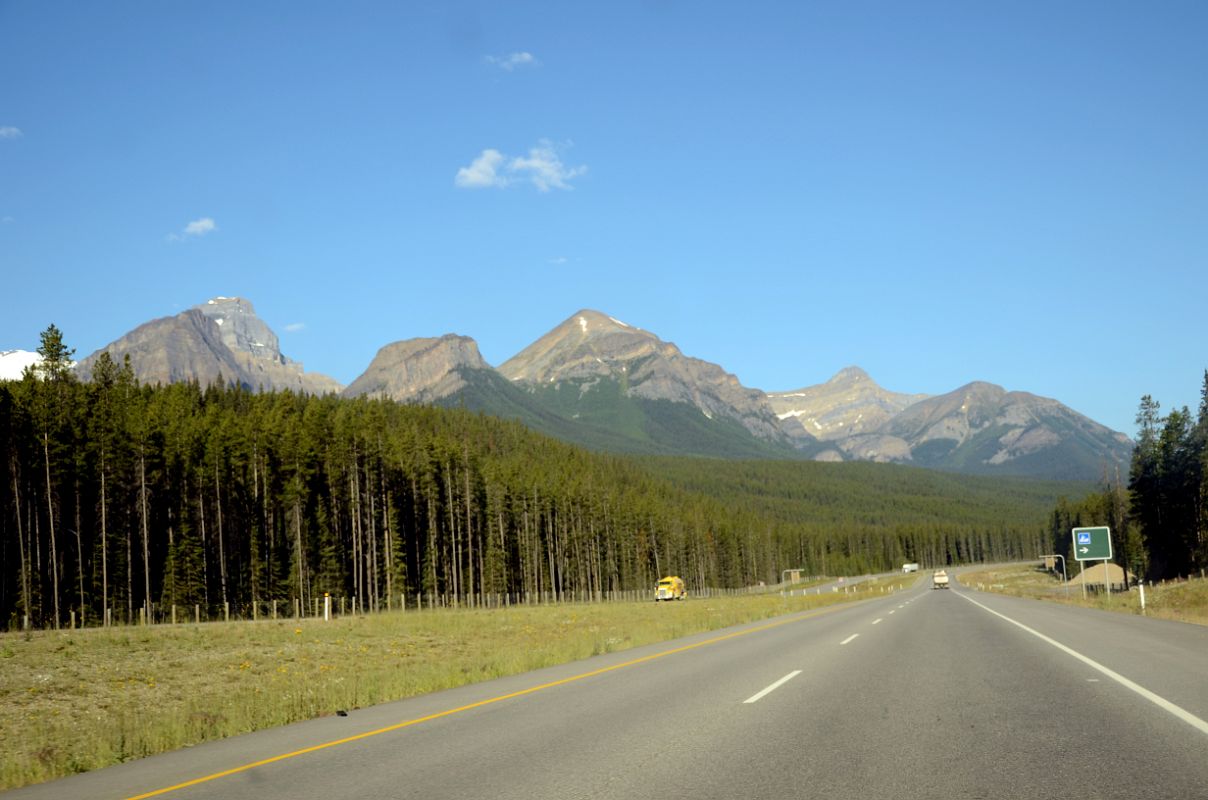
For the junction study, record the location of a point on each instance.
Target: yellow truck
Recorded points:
(670, 588)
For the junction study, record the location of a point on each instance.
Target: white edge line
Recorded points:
(1157, 700)
(875, 621)
(849, 638)
(755, 698)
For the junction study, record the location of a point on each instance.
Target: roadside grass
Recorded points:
(1185, 601)
(73, 701)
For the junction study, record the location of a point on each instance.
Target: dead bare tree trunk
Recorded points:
(104, 546)
(222, 570)
(50, 505)
(389, 544)
(79, 553)
(21, 544)
(142, 477)
(373, 554)
(469, 526)
(300, 553)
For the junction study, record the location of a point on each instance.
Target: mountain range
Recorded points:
(607, 385)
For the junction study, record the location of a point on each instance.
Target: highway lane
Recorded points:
(911, 695)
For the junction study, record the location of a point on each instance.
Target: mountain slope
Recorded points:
(449, 371)
(592, 353)
(848, 404)
(982, 428)
(220, 339)
(419, 370)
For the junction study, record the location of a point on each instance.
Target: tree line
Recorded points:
(1159, 522)
(119, 500)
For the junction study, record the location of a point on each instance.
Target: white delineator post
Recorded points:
(326, 607)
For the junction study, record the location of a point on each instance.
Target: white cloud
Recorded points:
(482, 172)
(542, 167)
(545, 169)
(200, 227)
(559, 260)
(195, 229)
(512, 61)
(7, 220)
(9, 132)
(294, 327)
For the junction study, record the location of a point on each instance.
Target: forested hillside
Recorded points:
(123, 497)
(936, 517)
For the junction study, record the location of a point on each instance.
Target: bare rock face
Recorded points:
(849, 404)
(591, 345)
(588, 344)
(221, 340)
(258, 351)
(419, 370)
(876, 447)
(982, 425)
(242, 330)
(185, 347)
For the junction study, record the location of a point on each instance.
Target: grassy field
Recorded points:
(85, 699)
(1185, 601)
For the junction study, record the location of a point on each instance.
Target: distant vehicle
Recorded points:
(670, 588)
(939, 580)
(910, 568)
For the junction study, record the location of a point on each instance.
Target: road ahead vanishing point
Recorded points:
(919, 694)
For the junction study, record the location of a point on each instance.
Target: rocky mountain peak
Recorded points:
(852, 374)
(850, 403)
(419, 370)
(241, 329)
(595, 323)
(589, 347)
(587, 344)
(219, 340)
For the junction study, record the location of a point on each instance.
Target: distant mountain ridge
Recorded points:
(848, 404)
(607, 385)
(981, 427)
(221, 339)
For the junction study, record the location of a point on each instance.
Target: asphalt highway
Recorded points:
(925, 693)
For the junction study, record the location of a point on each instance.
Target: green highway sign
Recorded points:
(1092, 544)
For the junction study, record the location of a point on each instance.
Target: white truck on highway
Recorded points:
(939, 579)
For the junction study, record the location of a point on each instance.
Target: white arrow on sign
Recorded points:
(1084, 550)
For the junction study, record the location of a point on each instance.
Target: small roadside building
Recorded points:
(1098, 574)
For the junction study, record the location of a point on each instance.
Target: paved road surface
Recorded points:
(922, 694)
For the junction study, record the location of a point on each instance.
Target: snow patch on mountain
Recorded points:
(14, 362)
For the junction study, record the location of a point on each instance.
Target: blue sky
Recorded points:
(936, 192)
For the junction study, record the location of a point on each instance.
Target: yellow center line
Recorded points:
(487, 702)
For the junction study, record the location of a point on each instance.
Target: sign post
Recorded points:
(1093, 544)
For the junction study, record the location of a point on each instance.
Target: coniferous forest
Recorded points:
(119, 500)
(1159, 523)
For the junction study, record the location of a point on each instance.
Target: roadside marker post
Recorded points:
(1065, 581)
